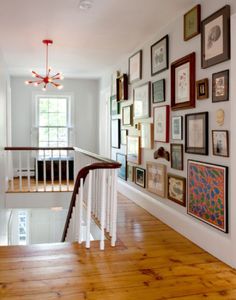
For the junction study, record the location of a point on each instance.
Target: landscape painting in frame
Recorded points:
(122, 172)
(207, 193)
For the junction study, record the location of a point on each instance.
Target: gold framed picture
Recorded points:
(156, 178)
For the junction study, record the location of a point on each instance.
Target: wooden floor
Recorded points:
(151, 262)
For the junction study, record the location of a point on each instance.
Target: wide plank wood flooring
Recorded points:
(151, 261)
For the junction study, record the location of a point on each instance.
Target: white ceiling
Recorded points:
(85, 42)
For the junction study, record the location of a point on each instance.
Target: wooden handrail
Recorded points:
(83, 174)
(37, 148)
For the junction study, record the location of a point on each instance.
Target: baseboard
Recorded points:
(216, 243)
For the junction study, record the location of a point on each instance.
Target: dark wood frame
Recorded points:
(204, 81)
(225, 12)
(140, 53)
(183, 179)
(190, 58)
(198, 11)
(130, 115)
(201, 151)
(166, 37)
(167, 122)
(227, 142)
(118, 141)
(122, 88)
(121, 154)
(181, 124)
(224, 73)
(138, 161)
(182, 156)
(164, 92)
(144, 176)
(149, 101)
(126, 134)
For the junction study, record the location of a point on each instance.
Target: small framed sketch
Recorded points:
(158, 91)
(176, 190)
(176, 156)
(160, 56)
(123, 136)
(220, 86)
(183, 83)
(215, 38)
(133, 149)
(192, 22)
(147, 131)
(115, 107)
(196, 133)
(140, 177)
(220, 143)
(122, 87)
(161, 123)
(122, 172)
(177, 128)
(202, 87)
(142, 101)
(130, 173)
(156, 178)
(115, 133)
(127, 115)
(135, 67)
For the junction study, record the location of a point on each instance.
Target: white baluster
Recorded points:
(60, 170)
(52, 170)
(114, 209)
(12, 180)
(88, 214)
(28, 170)
(108, 200)
(7, 173)
(44, 170)
(20, 171)
(103, 207)
(36, 172)
(80, 215)
(67, 170)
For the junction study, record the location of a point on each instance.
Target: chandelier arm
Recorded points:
(55, 84)
(55, 75)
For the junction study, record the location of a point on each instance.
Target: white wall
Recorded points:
(209, 238)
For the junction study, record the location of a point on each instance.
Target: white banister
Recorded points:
(36, 172)
(88, 212)
(103, 207)
(80, 208)
(52, 170)
(44, 170)
(114, 208)
(60, 170)
(28, 170)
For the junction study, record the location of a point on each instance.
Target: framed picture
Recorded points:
(196, 133)
(127, 115)
(142, 101)
(160, 56)
(122, 87)
(115, 133)
(207, 193)
(135, 67)
(177, 128)
(114, 106)
(122, 172)
(130, 173)
(192, 22)
(176, 189)
(123, 136)
(183, 83)
(158, 91)
(202, 88)
(161, 123)
(176, 156)
(215, 38)
(147, 132)
(113, 82)
(220, 143)
(156, 179)
(220, 86)
(133, 149)
(140, 177)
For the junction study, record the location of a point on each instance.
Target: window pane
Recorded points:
(53, 135)
(52, 119)
(62, 105)
(43, 105)
(43, 144)
(62, 119)
(43, 119)
(43, 134)
(62, 135)
(52, 105)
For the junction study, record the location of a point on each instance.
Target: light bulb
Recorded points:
(60, 87)
(44, 89)
(27, 82)
(36, 84)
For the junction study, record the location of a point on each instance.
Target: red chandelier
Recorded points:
(48, 78)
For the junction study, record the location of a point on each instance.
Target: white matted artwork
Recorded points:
(142, 101)
(156, 178)
(161, 123)
(146, 130)
(177, 128)
(182, 83)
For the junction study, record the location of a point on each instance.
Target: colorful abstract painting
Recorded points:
(207, 193)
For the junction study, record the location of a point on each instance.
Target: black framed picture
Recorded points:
(202, 87)
(140, 177)
(135, 67)
(122, 172)
(160, 56)
(220, 86)
(220, 143)
(158, 91)
(176, 156)
(115, 133)
(177, 128)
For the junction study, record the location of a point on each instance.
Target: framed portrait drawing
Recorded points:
(207, 193)
(160, 56)
(192, 22)
(127, 115)
(130, 173)
(177, 128)
(123, 136)
(176, 156)
(156, 179)
(142, 101)
(135, 67)
(158, 91)
(114, 106)
(140, 177)
(220, 143)
(122, 87)
(215, 38)
(146, 130)
(220, 86)
(115, 133)
(202, 87)
(176, 189)
(122, 172)
(196, 133)
(183, 83)
(161, 123)
(133, 149)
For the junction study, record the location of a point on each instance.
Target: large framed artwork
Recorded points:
(146, 130)
(115, 133)
(160, 56)
(176, 156)
(220, 86)
(127, 115)
(122, 172)
(135, 67)
(183, 83)
(156, 178)
(158, 91)
(177, 128)
(220, 143)
(114, 106)
(161, 116)
(215, 38)
(196, 133)
(140, 177)
(176, 189)
(142, 101)
(207, 193)
(192, 22)
(133, 149)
